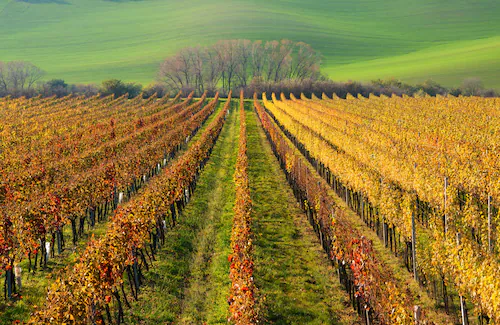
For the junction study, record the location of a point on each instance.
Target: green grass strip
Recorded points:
(296, 282)
(190, 281)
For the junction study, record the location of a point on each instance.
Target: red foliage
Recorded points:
(241, 299)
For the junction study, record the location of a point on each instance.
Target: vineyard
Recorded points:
(283, 210)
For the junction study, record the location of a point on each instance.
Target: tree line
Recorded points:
(271, 66)
(234, 64)
(18, 77)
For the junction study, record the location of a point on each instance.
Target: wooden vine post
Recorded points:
(414, 245)
(490, 239)
(463, 308)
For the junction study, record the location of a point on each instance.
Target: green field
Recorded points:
(93, 40)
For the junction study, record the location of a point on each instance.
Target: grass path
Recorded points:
(190, 283)
(294, 277)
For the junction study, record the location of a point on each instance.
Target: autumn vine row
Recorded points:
(375, 293)
(242, 295)
(339, 152)
(77, 190)
(95, 285)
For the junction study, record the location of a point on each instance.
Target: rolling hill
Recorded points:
(92, 40)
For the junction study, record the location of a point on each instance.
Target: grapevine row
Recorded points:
(57, 196)
(395, 207)
(373, 291)
(242, 295)
(26, 232)
(417, 143)
(95, 283)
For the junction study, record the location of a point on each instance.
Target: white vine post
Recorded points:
(17, 274)
(417, 313)
(47, 250)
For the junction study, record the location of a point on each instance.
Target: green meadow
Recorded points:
(92, 40)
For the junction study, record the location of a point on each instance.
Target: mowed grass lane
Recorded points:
(189, 283)
(296, 282)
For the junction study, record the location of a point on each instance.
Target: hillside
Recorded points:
(93, 40)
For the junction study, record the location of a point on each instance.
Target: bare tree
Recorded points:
(232, 62)
(33, 74)
(168, 73)
(19, 76)
(279, 57)
(196, 56)
(3, 77)
(22, 75)
(220, 52)
(258, 59)
(243, 55)
(472, 86)
(213, 69)
(227, 52)
(172, 72)
(305, 62)
(270, 48)
(185, 68)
